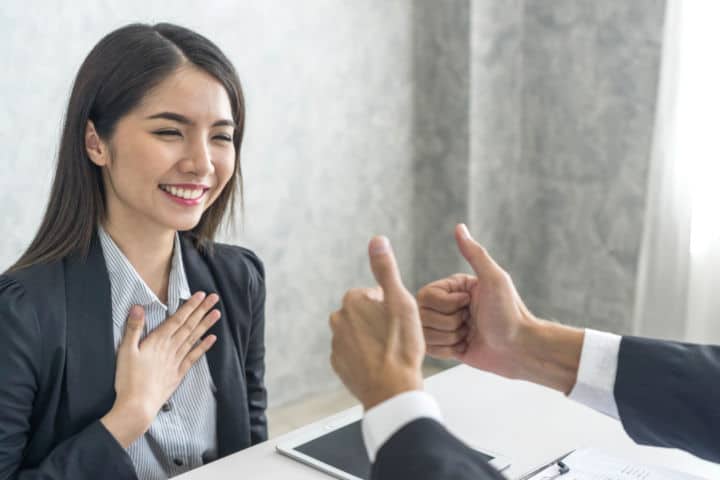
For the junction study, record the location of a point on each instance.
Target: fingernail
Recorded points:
(379, 246)
(464, 231)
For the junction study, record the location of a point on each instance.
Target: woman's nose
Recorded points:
(199, 160)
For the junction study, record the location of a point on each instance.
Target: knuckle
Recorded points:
(207, 304)
(433, 352)
(355, 295)
(133, 324)
(204, 328)
(185, 330)
(208, 320)
(428, 334)
(497, 280)
(422, 296)
(407, 301)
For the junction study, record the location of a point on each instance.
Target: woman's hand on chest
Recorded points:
(149, 371)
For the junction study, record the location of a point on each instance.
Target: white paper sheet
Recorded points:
(592, 464)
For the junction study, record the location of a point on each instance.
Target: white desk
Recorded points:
(526, 423)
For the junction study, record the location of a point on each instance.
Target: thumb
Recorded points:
(384, 266)
(134, 327)
(474, 253)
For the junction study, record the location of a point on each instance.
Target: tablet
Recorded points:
(337, 448)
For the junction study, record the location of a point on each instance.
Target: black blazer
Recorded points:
(667, 393)
(57, 362)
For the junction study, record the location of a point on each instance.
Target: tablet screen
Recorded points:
(344, 449)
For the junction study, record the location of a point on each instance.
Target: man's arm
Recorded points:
(595, 385)
(668, 395)
(424, 450)
(405, 438)
(665, 393)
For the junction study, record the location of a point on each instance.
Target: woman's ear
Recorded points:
(94, 146)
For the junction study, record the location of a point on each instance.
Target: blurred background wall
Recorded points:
(530, 120)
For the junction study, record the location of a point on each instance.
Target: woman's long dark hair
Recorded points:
(122, 68)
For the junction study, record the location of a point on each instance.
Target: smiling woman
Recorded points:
(106, 319)
(170, 157)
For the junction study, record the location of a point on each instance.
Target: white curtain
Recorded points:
(678, 288)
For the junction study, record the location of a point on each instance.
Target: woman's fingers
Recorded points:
(177, 320)
(196, 353)
(153, 369)
(200, 329)
(133, 327)
(191, 321)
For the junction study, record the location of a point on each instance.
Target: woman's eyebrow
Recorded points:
(176, 117)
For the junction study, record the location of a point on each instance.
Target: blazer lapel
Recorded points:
(223, 360)
(90, 350)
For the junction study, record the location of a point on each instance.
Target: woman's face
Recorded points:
(170, 157)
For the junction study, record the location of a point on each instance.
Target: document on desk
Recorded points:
(593, 464)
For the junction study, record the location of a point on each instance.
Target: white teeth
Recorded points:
(186, 193)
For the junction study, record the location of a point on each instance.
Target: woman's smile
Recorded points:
(186, 193)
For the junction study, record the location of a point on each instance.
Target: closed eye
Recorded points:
(225, 138)
(168, 133)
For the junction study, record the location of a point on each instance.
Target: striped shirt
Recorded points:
(183, 435)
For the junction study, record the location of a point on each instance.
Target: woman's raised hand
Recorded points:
(149, 371)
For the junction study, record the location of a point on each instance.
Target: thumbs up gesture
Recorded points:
(377, 344)
(480, 320)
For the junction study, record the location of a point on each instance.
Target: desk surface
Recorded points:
(524, 422)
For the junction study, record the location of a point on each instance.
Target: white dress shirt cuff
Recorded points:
(382, 421)
(595, 384)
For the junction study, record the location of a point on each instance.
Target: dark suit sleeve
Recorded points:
(255, 359)
(90, 454)
(668, 395)
(424, 450)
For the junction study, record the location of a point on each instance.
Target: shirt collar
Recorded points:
(128, 288)
(178, 287)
